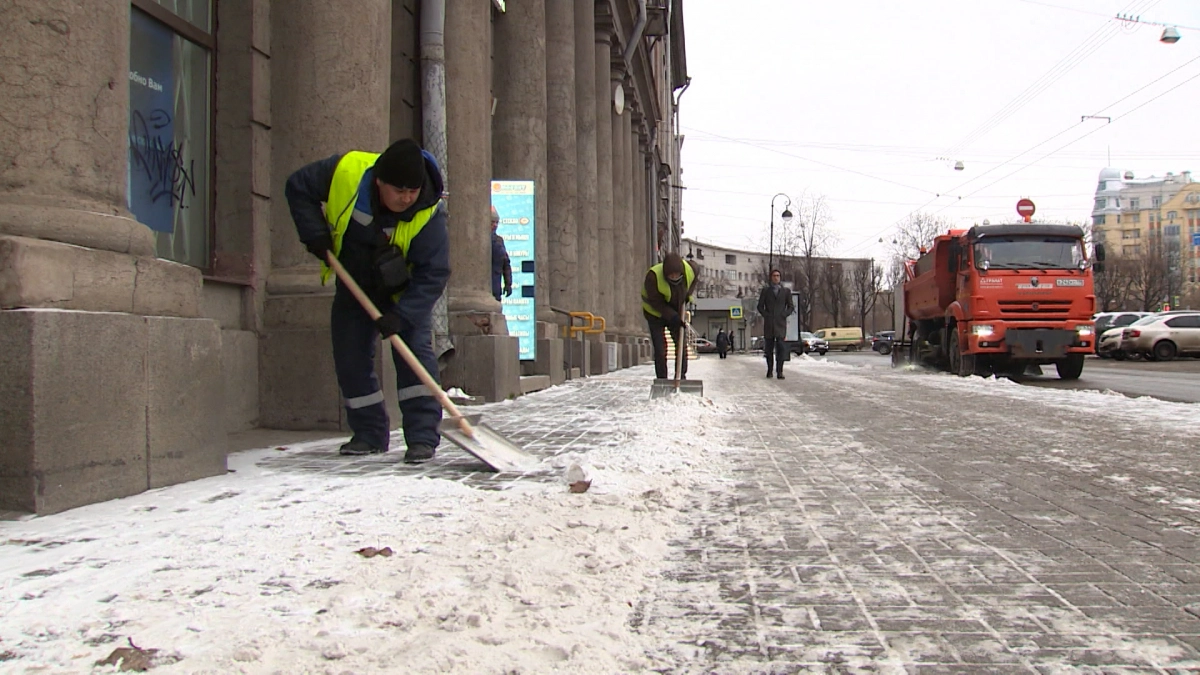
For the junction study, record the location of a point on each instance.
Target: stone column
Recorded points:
(485, 360)
(620, 182)
(604, 177)
(585, 119)
(641, 221)
(305, 36)
(626, 247)
(562, 144)
(562, 154)
(67, 241)
(519, 125)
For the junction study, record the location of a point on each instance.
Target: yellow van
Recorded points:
(846, 339)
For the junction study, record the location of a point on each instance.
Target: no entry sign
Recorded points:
(1026, 208)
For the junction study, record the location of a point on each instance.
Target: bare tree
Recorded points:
(799, 247)
(865, 282)
(1150, 275)
(916, 234)
(834, 290)
(1116, 283)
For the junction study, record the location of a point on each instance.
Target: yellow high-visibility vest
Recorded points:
(350, 200)
(664, 286)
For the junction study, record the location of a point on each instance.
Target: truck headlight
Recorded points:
(1086, 331)
(981, 330)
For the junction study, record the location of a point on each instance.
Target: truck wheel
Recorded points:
(1165, 351)
(1070, 368)
(961, 364)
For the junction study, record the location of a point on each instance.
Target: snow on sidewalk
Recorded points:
(257, 570)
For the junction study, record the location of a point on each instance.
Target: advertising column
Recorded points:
(514, 202)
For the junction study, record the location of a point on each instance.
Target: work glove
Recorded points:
(674, 322)
(389, 324)
(320, 246)
(507, 291)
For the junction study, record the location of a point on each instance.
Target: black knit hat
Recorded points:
(672, 264)
(402, 165)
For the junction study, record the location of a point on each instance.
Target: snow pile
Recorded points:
(257, 571)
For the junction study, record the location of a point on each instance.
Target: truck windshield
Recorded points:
(1029, 252)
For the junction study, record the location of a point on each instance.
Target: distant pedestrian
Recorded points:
(501, 264)
(775, 305)
(667, 287)
(722, 343)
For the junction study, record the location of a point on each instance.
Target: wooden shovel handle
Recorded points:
(401, 348)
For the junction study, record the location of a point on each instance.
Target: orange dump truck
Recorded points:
(996, 299)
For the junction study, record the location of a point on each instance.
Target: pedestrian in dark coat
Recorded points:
(775, 305)
(722, 342)
(501, 263)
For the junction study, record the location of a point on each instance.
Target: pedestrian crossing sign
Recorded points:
(735, 312)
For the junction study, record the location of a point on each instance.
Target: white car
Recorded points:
(1109, 345)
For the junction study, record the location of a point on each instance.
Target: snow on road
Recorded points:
(257, 571)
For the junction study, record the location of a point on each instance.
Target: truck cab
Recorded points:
(997, 298)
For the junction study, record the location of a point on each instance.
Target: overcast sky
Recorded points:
(870, 103)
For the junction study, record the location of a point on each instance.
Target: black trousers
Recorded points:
(658, 341)
(776, 352)
(355, 337)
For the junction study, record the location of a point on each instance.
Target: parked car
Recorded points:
(1107, 320)
(1108, 346)
(704, 346)
(809, 343)
(1162, 337)
(882, 341)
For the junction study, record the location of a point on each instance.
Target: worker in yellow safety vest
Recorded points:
(667, 288)
(382, 215)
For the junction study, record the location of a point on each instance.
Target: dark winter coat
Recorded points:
(775, 306)
(501, 267)
(722, 340)
(428, 253)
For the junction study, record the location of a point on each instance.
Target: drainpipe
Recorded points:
(433, 130)
(676, 161)
(652, 192)
(636, 37)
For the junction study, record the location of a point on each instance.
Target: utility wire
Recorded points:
(1093, 42)
(1115, 119)
(866, 242)
(814, 161)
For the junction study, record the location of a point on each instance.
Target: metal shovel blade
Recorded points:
(662, 388)
(488, 445)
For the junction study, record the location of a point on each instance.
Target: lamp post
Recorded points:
(787, 218)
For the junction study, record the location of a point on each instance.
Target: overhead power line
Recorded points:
(866, 242)
(1089, 46)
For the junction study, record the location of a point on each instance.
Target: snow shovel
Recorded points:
(678, 385)
(478, 439)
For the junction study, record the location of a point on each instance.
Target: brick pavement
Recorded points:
(862, 532)
(867, 534)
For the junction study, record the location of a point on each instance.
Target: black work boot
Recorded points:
(770, 375)
(417, 453)
(779, 375)
(358, 447)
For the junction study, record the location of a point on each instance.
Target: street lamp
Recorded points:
(787, 218)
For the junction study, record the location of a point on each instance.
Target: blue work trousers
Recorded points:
(355, 337)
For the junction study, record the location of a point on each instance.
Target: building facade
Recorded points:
(1156, 218)
(729, 277)
(153, 293)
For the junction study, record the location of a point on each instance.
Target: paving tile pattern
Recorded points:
(879, 521)
(574, 417)
(867, 533)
